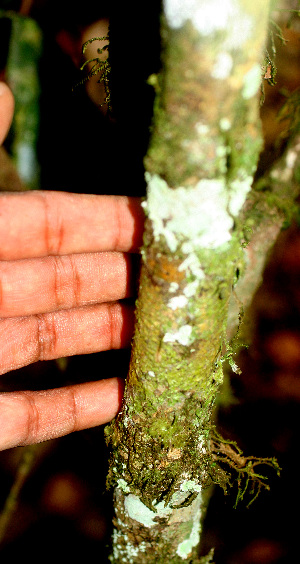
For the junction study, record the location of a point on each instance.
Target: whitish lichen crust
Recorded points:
(195, 217)
(136, 510)
(184, 549)
(183, 336)
(122, 484)
(177, 302)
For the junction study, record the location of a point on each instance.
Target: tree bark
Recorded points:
(269, 206)
(204, 150)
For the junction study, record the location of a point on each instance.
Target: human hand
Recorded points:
(65, 262)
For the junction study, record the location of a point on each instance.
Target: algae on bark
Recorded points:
(203, 154)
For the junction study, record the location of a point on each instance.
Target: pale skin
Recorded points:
(65, 264)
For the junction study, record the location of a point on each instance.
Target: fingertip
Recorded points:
(112, 391)
(120, 389)
(4, 88)
(6, 109)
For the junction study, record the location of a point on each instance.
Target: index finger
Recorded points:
(40, 223)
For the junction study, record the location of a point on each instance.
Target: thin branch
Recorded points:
(23, 471)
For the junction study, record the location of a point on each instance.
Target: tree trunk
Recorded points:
(204, 150)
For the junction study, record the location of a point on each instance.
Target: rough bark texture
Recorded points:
(205, 145)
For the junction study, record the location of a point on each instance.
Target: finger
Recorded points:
(31, 417)
(37, 223)
(65, 333)
(52, 283)
(6, 110)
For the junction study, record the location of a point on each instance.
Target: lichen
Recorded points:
(190, 486)
(198, 213)
(239, 190)
(191, 264)
(177, 302)
(184, 549)
(184, 336)
(122, 484)
(126, 552)
(195, 217)
(136, 510)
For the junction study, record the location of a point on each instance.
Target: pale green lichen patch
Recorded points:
(194, 217)
(122, 484)
(191, 288)
(177, 302)
(183, 336)
(190, 486)
(126, 551)
(185, 548)
(173, 287)
(191, 265)
(198, 214)
(239, 190)
(136, 510)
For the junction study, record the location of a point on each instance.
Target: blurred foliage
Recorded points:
(22, 75)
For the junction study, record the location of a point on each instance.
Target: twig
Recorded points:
(25, 7)
(23, 471)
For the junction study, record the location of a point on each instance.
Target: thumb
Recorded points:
(6, 110)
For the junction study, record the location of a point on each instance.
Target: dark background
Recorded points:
(64, 510)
